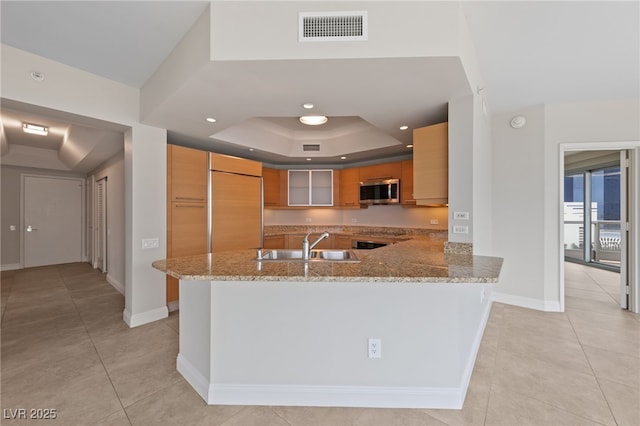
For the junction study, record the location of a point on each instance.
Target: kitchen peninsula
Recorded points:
(296, 333)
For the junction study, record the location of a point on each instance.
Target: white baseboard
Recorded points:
(116, 284)
(173, 306)
(336, 396)
(527, 302)
(10, 267)
(320, 396)
(144, 317)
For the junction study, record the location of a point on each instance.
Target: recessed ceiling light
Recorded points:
(410, 146)
(404, 127)
(35, 129)
(211, 120)
(251, 150)
(343, 158)
(313, 120)
(307, 105)
(308, 159)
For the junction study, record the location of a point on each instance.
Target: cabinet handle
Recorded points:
(190, 199)
(190, 206)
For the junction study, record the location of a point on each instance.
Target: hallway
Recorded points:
(65, 347)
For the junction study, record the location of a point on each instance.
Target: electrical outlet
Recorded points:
(458, 229)
(354, 220)
(307, 219)
(375, 348)
(434, 221)
(460, 215)
(12, 227)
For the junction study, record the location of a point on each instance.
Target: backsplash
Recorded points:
(435, 235)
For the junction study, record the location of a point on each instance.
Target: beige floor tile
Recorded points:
(507, 408)
(612, 321)
(573, 303)
(563, 351)
(79, 400)
(135, 378)
(178, 404)
(614, 367)
(565, 389)
(119, 418)
(598, 296)
(622, 340)
(256, 416)
(396, 417)
(624, 402)
(319, 416)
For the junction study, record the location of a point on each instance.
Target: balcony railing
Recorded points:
(605, 241)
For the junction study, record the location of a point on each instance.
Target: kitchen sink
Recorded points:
(314, 256)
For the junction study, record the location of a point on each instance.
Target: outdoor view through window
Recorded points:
(600, 190)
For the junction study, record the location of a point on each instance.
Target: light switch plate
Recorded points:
(150, 243)
(460, 215)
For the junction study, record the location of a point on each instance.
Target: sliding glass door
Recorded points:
(592, 213)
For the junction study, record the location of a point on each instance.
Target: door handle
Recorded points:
(31, 228)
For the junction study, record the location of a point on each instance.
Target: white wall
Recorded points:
(71, 90)
(526, 190)
(113, 170)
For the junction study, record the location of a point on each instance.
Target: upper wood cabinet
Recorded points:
(349, 187)
(271, 185)
(406, 184)
(187, 174)
(230, 164)
(381, 171)
(431, 165)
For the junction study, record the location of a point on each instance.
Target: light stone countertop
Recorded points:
(419, 260)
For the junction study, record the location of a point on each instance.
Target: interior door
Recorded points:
(52, 220)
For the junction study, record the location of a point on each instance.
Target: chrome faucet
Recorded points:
(306, 247)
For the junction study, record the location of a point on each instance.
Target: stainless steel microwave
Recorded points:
(385, 191)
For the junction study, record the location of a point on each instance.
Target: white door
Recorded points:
(100, 225)
(52, 220)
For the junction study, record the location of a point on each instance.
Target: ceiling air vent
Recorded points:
(332, 26)
(311, 147)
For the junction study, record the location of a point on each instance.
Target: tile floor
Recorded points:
(65, 347)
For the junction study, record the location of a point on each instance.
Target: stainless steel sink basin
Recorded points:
(314, 256)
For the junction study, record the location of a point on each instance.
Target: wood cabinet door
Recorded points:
(187, 236)
(342, 242)
(189, 174)
(430, 165)
(381, 171)
(406, 184)
(188, 229)
(236, 212)
(273, 242)
(271, 186)
(350, 187)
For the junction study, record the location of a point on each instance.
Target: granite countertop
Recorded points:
(419, 260)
